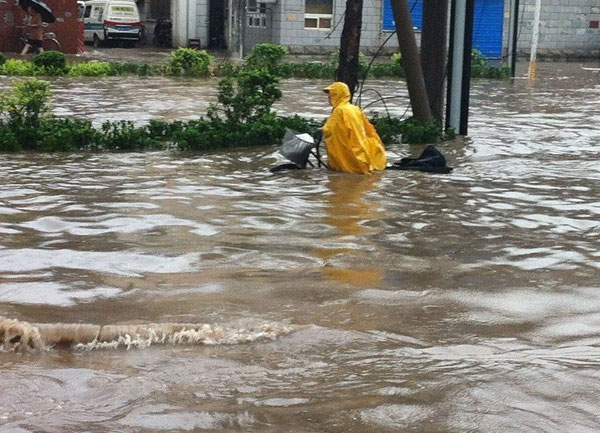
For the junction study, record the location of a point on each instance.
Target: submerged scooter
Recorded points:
(298, 148)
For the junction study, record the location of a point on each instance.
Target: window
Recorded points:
(88, 10)
(97, 13)
(318, 14)
(257, 14)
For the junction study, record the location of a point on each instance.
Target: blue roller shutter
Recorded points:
(416, 7)
(487, 25)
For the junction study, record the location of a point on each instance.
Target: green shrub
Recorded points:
(68, 135)
(411, 131)
(314, 70)
(225, 69)
(266, 56)
(18, 67)
(124, 136)
(2, 59)
(162, 130)
(9, 141)
(191, 62)
(90, 69)
(123, 68)
(23, 110)
(247, 96)
(50, 62)
(27, 103)
(480, 68)
(201, 135)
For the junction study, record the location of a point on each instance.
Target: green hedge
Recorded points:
(242, 117)
(194, 63)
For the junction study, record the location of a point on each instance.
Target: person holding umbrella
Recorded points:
(38, 12)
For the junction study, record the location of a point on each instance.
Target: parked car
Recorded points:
(111, 20)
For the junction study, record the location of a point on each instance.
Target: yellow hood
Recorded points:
(339, 93)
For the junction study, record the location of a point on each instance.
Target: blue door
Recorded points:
(487, 23)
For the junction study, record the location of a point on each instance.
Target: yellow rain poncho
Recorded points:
(352, 143)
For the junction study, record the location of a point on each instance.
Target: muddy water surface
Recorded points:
(424, 303)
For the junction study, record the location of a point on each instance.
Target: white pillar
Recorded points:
(534, 39)
(459, 74)
(458, 50)
(179, 17)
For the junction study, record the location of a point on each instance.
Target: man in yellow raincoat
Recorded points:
(353, 145)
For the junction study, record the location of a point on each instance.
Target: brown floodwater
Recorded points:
(401, 301)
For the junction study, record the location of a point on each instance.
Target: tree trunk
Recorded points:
(412, 65)
(433, 53)
(348, 68)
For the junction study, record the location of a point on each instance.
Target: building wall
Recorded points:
(566, 28)
(202, 21)
(288, 21)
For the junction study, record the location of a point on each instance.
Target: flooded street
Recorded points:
(402, 301)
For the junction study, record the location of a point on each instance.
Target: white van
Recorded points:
(111, 20)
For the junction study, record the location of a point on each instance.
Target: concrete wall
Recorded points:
(202, 21)
(565, 31)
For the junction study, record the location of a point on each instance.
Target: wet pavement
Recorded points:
(426, 303)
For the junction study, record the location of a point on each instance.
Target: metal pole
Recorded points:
(512, 36)
(433, 53)
(534, 39)
(459, 65)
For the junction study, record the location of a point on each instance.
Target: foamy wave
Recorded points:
(18, 335)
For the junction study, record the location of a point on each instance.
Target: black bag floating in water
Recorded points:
(430, 161)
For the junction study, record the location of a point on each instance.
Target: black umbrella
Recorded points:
(41, 7)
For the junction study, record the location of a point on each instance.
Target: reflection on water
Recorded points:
(349, 211)
(424, 303)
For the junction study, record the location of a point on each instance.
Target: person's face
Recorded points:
(329, 98)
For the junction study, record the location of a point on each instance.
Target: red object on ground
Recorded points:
(67, 28)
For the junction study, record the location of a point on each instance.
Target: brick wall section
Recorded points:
(290, 31)
(565, 31)
(66, 26)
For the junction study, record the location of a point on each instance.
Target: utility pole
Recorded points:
(512, 36)
(349, 65)
(412, 64)
(534, 39)
(433, 53)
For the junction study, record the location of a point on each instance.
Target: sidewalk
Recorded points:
(149, 54)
